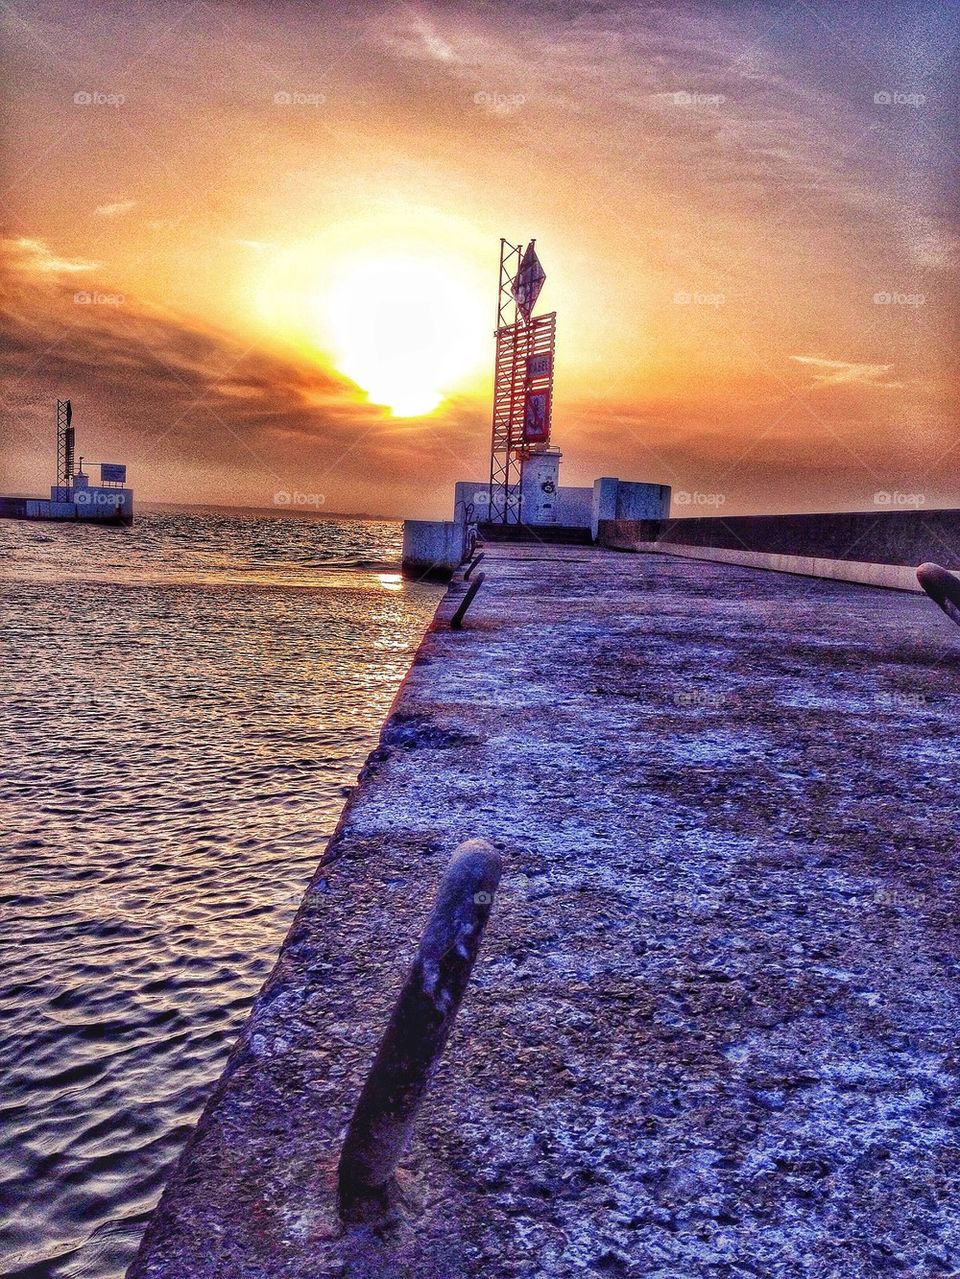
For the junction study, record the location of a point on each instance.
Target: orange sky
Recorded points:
(752, 253)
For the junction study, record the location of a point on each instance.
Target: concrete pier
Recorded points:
(712, 1030)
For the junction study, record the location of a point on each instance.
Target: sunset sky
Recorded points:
(257, 245)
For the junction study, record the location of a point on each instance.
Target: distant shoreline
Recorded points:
(280, 513)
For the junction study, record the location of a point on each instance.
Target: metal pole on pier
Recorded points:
(417, 1032)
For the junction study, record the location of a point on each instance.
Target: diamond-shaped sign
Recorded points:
(528, 282)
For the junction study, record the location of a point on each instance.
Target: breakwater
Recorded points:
(711, 1028)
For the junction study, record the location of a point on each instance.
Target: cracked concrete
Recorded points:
(712, 1031)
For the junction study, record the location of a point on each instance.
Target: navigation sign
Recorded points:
(536, 417)
(528, 282)
(113, 473)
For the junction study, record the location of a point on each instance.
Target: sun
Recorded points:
(404, 328)
(402, 314)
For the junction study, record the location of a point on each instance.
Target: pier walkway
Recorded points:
(712, 1029)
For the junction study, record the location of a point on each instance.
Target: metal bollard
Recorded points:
(471, 566)
(417, 1032)
(942, 587)
(457, 620)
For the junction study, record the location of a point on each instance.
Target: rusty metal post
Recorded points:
(942, 587)
(472, 565)
(457, 620)
(417, 1032)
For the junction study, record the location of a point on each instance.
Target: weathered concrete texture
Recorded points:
(713, 1028)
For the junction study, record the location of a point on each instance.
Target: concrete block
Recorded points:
(627, 535)
(642, 501)
(604, 501)
(432, 548)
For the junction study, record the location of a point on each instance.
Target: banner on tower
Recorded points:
(536, 417)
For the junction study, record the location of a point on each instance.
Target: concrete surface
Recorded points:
(712, 1030)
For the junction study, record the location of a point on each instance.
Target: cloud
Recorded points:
(115, 210)
(933, 245)
(848, 373)
(26, 255)
(695, 98)
(417, 38)
(184, 405)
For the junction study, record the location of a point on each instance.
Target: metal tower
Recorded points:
(65, 439)
(522, 379)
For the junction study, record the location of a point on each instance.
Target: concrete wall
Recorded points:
(576, 507)
(39, 508)
(877, 548)
(897, 577)
(628, 535)
(471, 499)
(83, 501)
(608, 499)
(42, 508)
(98, 502)
(879, 536)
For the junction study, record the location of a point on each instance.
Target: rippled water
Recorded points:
(184, 703)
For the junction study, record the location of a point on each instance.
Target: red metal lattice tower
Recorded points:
(514, 380)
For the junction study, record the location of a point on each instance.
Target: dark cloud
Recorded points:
(193, 412)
